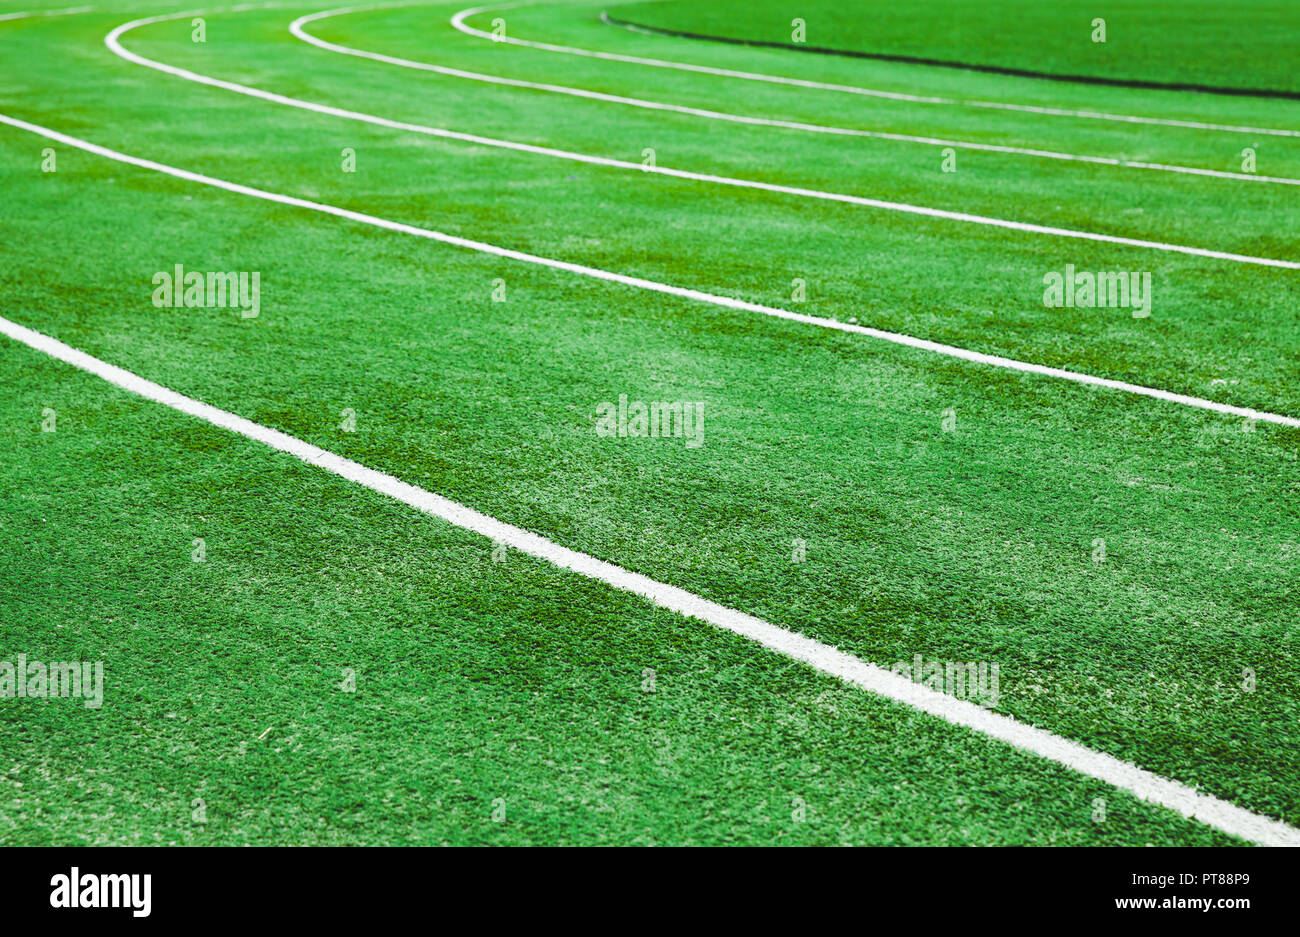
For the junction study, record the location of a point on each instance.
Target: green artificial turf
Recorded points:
(1223, 45)
(948, 509)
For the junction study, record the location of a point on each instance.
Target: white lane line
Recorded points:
(297, 28)
(29, 13)
(458, 21)
(727, 302)
(112, 41)
(1143, 784)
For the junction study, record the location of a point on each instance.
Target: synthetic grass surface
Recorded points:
(494, 703)
(482, 681)
(1227, 45)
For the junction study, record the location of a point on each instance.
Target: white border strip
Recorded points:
(727, 302)
(296, 27)
(1149, 787)
(458, 21)
(112, 41)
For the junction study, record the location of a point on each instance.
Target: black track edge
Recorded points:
(966, 66)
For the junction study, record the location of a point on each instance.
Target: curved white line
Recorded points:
(1143, 784)
(30, 13)
(296, 27)
(714, 299)
(1150, 787)
(458, 21)
(114, 45)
